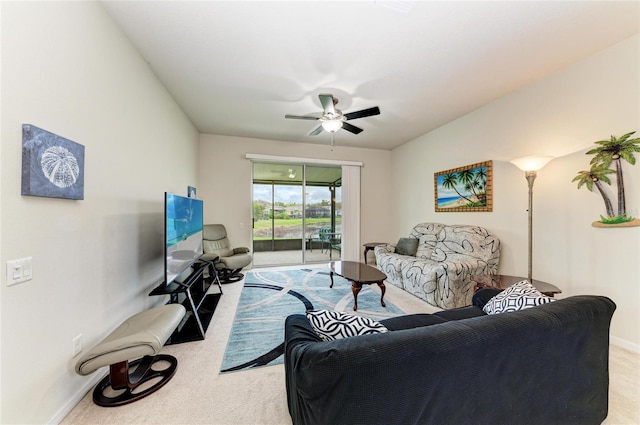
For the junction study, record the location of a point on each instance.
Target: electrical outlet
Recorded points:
(77, 345)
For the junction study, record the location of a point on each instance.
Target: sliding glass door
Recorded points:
(296, 213)
(277, 213)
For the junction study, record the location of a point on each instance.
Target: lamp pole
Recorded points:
(531, 177)
(530, 165)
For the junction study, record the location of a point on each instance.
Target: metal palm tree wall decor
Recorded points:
(608, 152)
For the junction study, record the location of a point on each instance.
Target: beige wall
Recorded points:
(562, 115)
(224, 182)
(66, 68)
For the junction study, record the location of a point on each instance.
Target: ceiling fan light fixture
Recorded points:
(333, 119)
(332, 125)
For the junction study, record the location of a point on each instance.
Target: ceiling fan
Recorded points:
(333, 119)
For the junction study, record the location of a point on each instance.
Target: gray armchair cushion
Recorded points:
(407, 246)
(234, 262)
(215, 240)
(218, 248)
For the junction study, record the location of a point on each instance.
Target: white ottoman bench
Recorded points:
(131, 351)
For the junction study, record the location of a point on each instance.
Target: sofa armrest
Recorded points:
(384, 249)
(478, 301)
(482, 297)
(241, 250)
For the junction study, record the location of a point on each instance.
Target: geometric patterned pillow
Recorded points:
(330, 325)
(516, 297)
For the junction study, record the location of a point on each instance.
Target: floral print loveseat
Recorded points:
(447, 257)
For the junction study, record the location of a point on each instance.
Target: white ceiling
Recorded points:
(236, 68)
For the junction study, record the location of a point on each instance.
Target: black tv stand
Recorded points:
(192, 293)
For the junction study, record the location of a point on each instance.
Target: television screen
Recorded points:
(183, 234)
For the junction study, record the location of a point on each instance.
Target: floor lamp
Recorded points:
(530, 165)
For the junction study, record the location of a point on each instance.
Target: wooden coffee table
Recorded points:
(358, 274)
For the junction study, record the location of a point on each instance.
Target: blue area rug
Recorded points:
(268, 297)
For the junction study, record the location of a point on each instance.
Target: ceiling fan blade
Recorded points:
(351, 128)
(327, 103)
(317, 131)
(363, 113)
(301, 117)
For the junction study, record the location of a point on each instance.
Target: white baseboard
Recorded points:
(75, 399)
(623, 343)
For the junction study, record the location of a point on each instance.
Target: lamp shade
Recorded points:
(332, 125)
(531, 163)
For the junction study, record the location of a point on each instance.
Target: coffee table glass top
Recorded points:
(355, 271)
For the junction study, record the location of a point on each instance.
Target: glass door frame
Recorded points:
(306, 240)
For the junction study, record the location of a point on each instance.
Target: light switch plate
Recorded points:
(19, 271)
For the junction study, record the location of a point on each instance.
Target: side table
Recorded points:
(369, 247)
(501, 281)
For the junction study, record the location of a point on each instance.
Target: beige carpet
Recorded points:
(198, 394)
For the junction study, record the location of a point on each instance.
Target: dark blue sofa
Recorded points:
(543, 365)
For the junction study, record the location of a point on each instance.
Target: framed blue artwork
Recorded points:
(52, 166)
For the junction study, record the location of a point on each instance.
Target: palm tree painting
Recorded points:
(608, 152)
(466, 188)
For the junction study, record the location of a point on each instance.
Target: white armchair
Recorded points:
(217, 248)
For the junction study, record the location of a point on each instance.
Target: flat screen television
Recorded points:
(182, 234)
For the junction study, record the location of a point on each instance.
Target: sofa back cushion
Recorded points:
(426, 233)
(457, 243)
